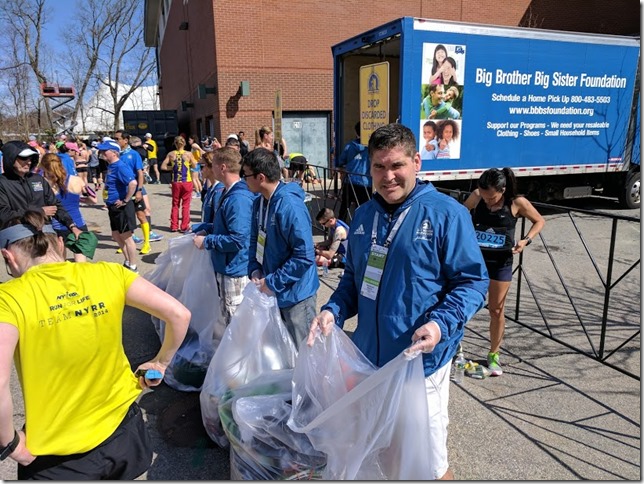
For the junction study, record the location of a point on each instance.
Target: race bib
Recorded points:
(373, 272)
(261, 243)
(490, 240)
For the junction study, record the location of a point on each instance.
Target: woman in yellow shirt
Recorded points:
(62, 324)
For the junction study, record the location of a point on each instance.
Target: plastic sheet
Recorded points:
(186, 273)
(255, 342)
(263, 447)
(371, 423)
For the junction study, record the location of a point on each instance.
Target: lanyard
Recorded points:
(261, 209)
(394, 230)
(261, 214)
(224, 195)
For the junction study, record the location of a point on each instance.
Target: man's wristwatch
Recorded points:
(528, 240)
(11, 446)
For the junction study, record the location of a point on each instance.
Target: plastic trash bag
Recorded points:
(186, 273)
(262, 446)
(377, 426)
(255, 341)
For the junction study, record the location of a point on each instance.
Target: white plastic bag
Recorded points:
(256, 341)
(186, 273)
(262, 447)
(371, 423)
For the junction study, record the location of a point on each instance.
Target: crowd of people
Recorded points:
(417, 267)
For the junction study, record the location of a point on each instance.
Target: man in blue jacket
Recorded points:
(356, 188)
(413, 275)
(282, 257)
(229, 236)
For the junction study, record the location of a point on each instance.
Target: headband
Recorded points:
(18, 232)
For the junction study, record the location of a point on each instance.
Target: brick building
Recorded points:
(286, 45)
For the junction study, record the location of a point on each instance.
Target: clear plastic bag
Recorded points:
(255, 342)
(262, 446)
(186, 273)
(371, 423)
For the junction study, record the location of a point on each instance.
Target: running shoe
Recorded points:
(493, 364)
(133, 268)
(154, 237)
(145, 249)
(137, 240)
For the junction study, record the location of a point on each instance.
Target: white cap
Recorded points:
(233, 135)
(148, 135)
(27, 152)
(107, 138)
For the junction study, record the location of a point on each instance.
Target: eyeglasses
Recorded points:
(323, 222)
(23, 158)
(244, 176)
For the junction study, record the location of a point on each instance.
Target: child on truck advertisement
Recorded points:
(442, 101)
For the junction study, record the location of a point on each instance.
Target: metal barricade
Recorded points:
(577, 285)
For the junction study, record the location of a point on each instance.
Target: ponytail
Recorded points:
(510, 185)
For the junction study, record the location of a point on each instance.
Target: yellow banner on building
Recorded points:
(374, 99)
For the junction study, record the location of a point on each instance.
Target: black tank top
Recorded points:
(494, 230)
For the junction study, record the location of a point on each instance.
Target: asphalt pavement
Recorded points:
(553, 415)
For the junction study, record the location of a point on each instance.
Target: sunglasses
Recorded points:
(251, 175)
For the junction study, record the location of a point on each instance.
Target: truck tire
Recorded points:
(629, 196)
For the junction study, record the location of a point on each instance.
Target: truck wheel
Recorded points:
(630, 192)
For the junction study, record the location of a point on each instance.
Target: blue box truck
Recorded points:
(562, 109)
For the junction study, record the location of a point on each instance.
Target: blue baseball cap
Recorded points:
(109, 145)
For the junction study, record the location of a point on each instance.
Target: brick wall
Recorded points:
(285, 44)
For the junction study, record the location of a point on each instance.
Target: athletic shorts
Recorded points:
(93, 172)
(437, 389)
(139, 206)
(64, 232)
(124, 455)
(152, 161)
(499, 270)
(122, 219)
(82, 169)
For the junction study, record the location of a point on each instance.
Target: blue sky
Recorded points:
(60, 17)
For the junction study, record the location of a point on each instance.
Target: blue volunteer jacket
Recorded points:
(228, 243)
(289, 255)
(208, 207)
(434, 271)
(355, 159)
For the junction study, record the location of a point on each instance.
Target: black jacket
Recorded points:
(31, 192)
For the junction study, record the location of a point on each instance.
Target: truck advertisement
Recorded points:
(516, 101)
(560, 108)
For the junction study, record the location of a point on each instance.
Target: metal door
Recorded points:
(309, 134)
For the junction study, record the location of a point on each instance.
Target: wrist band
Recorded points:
(8, 450)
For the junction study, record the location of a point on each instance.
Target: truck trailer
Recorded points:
(562, 109)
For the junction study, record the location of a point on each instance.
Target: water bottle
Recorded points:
(325, 268)
(459, 368)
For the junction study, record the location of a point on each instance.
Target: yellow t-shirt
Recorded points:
(76, 379)
(197, 154)
(153, 153)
